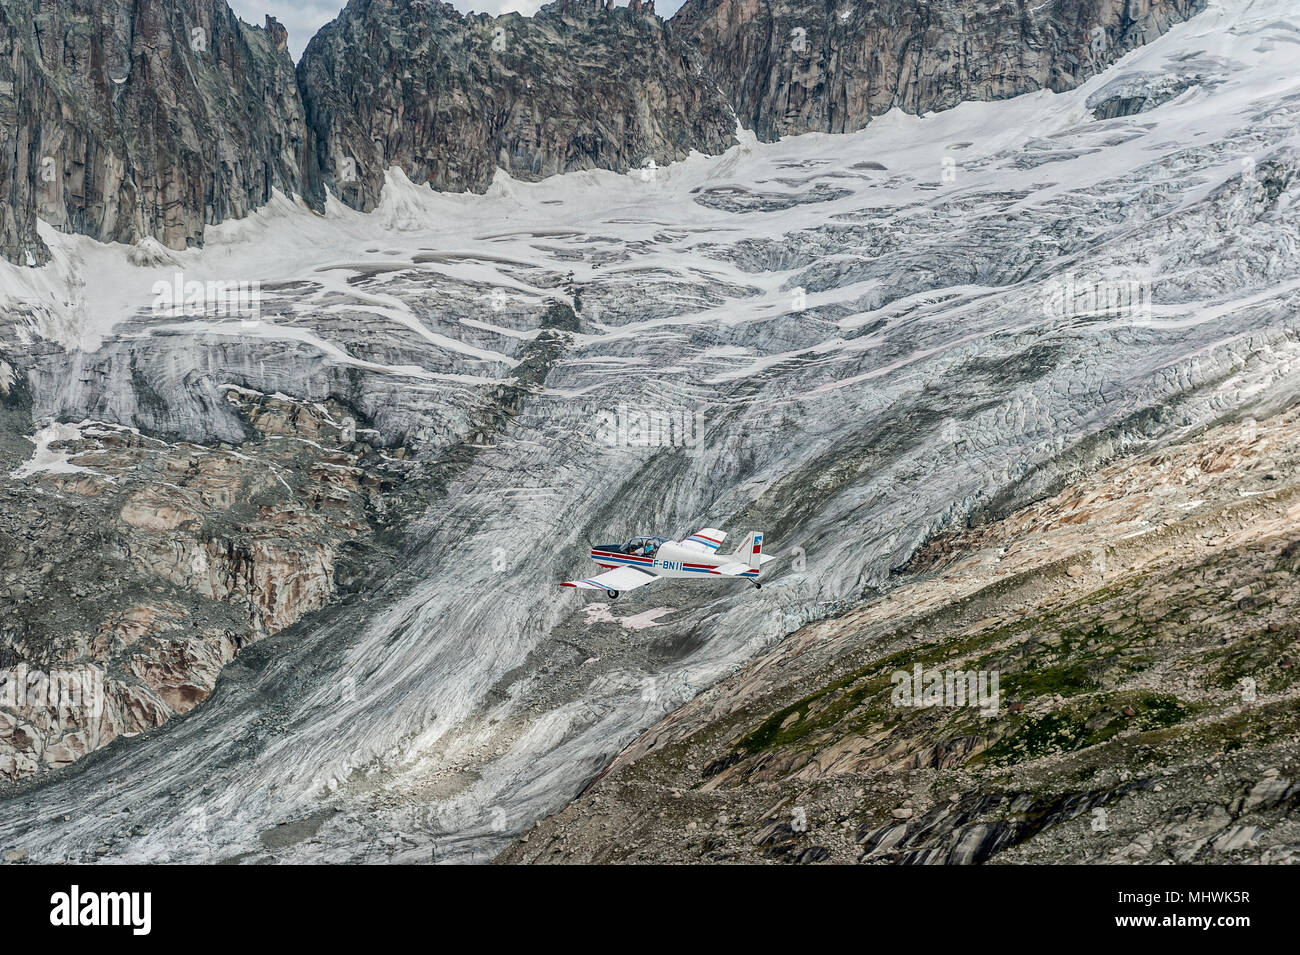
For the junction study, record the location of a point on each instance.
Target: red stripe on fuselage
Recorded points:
(596, 555)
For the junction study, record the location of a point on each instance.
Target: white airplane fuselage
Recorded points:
(670, 560)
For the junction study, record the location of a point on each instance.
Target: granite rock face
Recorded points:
(831, 65)
(127, 119)
(450, 98)
(133, 569)
(131, 119)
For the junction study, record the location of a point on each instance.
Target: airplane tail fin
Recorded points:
(750, 551)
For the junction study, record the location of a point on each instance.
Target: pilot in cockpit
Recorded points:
(641, 547)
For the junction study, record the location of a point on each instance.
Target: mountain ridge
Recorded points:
(132, 119)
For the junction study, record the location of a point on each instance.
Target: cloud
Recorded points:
(302, 18)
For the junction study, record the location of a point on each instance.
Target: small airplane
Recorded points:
(644, 559)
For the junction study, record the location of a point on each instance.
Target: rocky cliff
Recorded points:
(134, 118)
(451, 98)
(830, 65)
(132, 569)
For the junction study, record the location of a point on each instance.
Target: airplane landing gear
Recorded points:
(613, 594)
(757, 585)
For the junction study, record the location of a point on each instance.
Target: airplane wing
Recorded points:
(706, 540)
(618, 579)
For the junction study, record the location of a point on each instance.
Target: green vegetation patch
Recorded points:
(1079, 727)
(1270, 659)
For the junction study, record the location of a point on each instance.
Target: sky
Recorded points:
(302, 18)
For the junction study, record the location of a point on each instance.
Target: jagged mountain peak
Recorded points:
(451, 98)
(141, 119)
(831, 65)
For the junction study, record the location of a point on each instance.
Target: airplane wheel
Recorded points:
(613, 594)
(758, 586)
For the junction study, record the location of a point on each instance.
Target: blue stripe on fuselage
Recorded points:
(605, 561)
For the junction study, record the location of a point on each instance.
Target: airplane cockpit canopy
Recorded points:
(639, 544)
